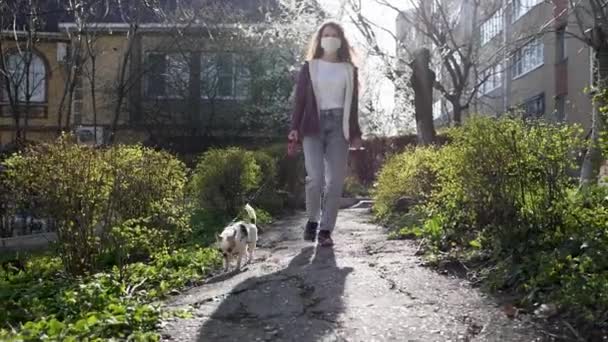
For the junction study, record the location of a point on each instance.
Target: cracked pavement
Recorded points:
(364, 289)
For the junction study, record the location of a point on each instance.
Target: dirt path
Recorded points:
(365, 289)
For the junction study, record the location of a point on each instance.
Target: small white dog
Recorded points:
(238, 239)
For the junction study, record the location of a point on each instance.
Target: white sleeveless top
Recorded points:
(332, 84)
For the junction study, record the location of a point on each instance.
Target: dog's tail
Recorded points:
(251, 213)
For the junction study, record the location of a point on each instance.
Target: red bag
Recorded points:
(293, 148)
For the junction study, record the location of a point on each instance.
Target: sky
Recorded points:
(381, 16)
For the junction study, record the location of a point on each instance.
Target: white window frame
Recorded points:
(520, 8)
(493, 79)
(36, 82)
(183, 75)
(528, 58)
(492, 26)
(240, 75)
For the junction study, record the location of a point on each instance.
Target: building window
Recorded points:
(560, 45)
(224, 76)
(528, 57)
(534, 107)
(521, 7)
(168, 75)
(492, 27)
(491, 79)
(27, 78)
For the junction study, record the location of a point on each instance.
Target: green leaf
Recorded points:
(475, 243)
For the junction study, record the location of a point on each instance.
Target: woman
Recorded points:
(325, 120)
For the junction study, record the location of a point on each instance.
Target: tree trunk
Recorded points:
(93, 86)
(17, 121)
(123, 83)
(422, 81)
(593, 157)
(457, 114)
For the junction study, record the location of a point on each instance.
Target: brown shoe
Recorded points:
(324, 238)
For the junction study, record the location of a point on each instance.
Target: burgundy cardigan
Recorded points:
(305, 116)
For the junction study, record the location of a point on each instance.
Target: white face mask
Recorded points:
(330, 44)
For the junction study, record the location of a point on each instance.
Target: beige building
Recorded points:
(43, 91)
(158, 78)
(527, 63)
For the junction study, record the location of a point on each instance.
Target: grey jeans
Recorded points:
(326, 160)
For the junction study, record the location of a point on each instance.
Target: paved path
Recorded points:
(365, 289)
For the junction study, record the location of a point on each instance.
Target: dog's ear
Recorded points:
(234, 234)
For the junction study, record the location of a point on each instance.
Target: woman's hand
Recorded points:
(293, 135)
(356, 143)
(292, 146)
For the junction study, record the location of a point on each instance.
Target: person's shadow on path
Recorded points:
(299, 303)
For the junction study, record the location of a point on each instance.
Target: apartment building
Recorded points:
(527, 62)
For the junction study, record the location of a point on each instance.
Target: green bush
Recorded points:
(69, 183)
(5, 202)
(156, 177)
(147, 200)
(270, 197)
(125, 200)
(354, 188)
(223, 178)
(571, 268)
(409, 174)
(500, 179)
(221, 183)
(291, 173)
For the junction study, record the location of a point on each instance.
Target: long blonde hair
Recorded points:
(345, 53)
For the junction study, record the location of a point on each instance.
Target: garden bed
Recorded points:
(500, 201)
(134, 226)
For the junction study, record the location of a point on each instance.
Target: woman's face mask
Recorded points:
(330, 44)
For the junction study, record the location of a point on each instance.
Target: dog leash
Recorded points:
(292, 150)
(253, 198)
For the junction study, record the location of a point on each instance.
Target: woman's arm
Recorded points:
(300, 98)
(355, 128)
